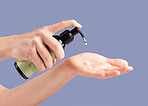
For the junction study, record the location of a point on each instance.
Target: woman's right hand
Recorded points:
(31, 45)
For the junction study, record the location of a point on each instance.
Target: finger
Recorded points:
(45, 55)
(100, 74)
(111, 68)
(97, 75)
(91, 73)
(118, 62)
(62, 25)
(112, 73)
(130, 68)
(53, 44)
(38, 62)
(123, 71)
(115, 71)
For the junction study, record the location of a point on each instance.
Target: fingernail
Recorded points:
(54, 61)
(80, 26)
(130, 68)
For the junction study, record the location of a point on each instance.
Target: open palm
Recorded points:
(100, 67)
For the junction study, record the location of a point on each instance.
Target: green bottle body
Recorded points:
(27, 68)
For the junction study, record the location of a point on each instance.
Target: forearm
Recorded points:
(38, 89)
(5, 47)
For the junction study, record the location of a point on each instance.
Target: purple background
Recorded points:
(113, 28)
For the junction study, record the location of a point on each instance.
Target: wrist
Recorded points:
(66, 70)
(5, 47)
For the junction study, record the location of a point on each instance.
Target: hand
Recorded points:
(100, 67)
(31, 45)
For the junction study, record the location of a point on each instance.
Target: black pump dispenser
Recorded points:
(67, 36)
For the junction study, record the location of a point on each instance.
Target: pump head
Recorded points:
(75, 31)
(68, 36)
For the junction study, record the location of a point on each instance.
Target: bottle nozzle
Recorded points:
(85, 40)
(75, 31)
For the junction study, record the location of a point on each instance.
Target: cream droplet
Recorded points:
(87, 63)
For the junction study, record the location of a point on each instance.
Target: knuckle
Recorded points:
(47, 59)
(33, 41)
(31, 52)
(56, 46)
(42, 69)
(36, 35)
(40, 32)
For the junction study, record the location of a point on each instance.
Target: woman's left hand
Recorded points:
(98, 66)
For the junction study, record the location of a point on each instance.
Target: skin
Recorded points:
(43, 86)
(31, 45)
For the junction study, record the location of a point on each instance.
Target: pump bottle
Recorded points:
(26, 68)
